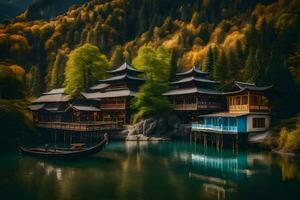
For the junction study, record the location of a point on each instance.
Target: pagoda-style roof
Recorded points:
(194, 79)
(125, 68)
(192, 90)
(242, 86)
(123, 77)
(84, 108)
(109, 94)
(36, 107)
(100, 86)
(56, 91)
(51, 98)
(193, 70)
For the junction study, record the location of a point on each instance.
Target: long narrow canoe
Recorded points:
(61, 154)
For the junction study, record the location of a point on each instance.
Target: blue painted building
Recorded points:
(248, 111)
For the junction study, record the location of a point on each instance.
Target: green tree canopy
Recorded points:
(156, 65)
(85, 66)
(150, 60)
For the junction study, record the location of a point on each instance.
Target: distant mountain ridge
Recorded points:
(36, 9)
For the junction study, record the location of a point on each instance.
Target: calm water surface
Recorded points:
(173, 170)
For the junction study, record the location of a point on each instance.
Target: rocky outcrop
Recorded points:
(161, 127)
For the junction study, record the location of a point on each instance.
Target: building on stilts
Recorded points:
(248, 111)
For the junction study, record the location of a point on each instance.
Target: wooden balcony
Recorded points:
(80, 126)
(249, 108)
(113, 106)
(185, 107)
(210, 127)
(191, 107)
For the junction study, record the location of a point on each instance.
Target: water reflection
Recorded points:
(151, 171)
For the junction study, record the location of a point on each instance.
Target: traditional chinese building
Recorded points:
(195, 94)
(115, 93)
(57, 110)
(248, 112)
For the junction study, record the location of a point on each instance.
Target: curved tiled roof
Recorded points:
(100, 86)
(242, 86)
(100, 95)
(192, 78)
(124, 67)
(52, 98)
(193, 69)
(120, 77)
(56, 91)
(192, 90)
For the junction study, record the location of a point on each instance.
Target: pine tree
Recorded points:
(220, 70)
(209, 61)
(117, 57)
(195, 19)
(34, 81)
(250, 66)
(173, 66)
(57, 75)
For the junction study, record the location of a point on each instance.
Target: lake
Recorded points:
(170, 170)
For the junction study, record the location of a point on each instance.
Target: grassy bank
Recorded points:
(15, 123)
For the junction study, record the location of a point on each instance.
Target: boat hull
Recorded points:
(58, 154)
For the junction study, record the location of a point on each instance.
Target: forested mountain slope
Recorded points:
(233, 39)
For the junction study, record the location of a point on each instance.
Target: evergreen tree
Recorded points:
(117, 57)
(210, 61)
(195, 19)
(57, 74)
(173, 69)
(220, 70)
(250, 66)
(234, 64)
(34, 81)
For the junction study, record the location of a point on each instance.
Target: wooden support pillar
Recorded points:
(64, 138)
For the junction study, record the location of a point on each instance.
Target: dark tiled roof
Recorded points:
(55, 91)
(85, 108)
(124, 67)
(35, 107)
(193, 69)
(248, 86)
(100, 86)
(99, 95)
(52, 98)
(189, 79)
(121, 77)
(192, 90)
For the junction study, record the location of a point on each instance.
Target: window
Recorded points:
(238, 100)
(255, 100)
(244, 100)
(259, 122)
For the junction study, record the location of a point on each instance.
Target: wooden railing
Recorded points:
(185, 107)
(210, 127)
(80, 126)
(113, 106)
(247, 108)
(196, 106)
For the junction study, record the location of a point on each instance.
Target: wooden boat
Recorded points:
(52, 153)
